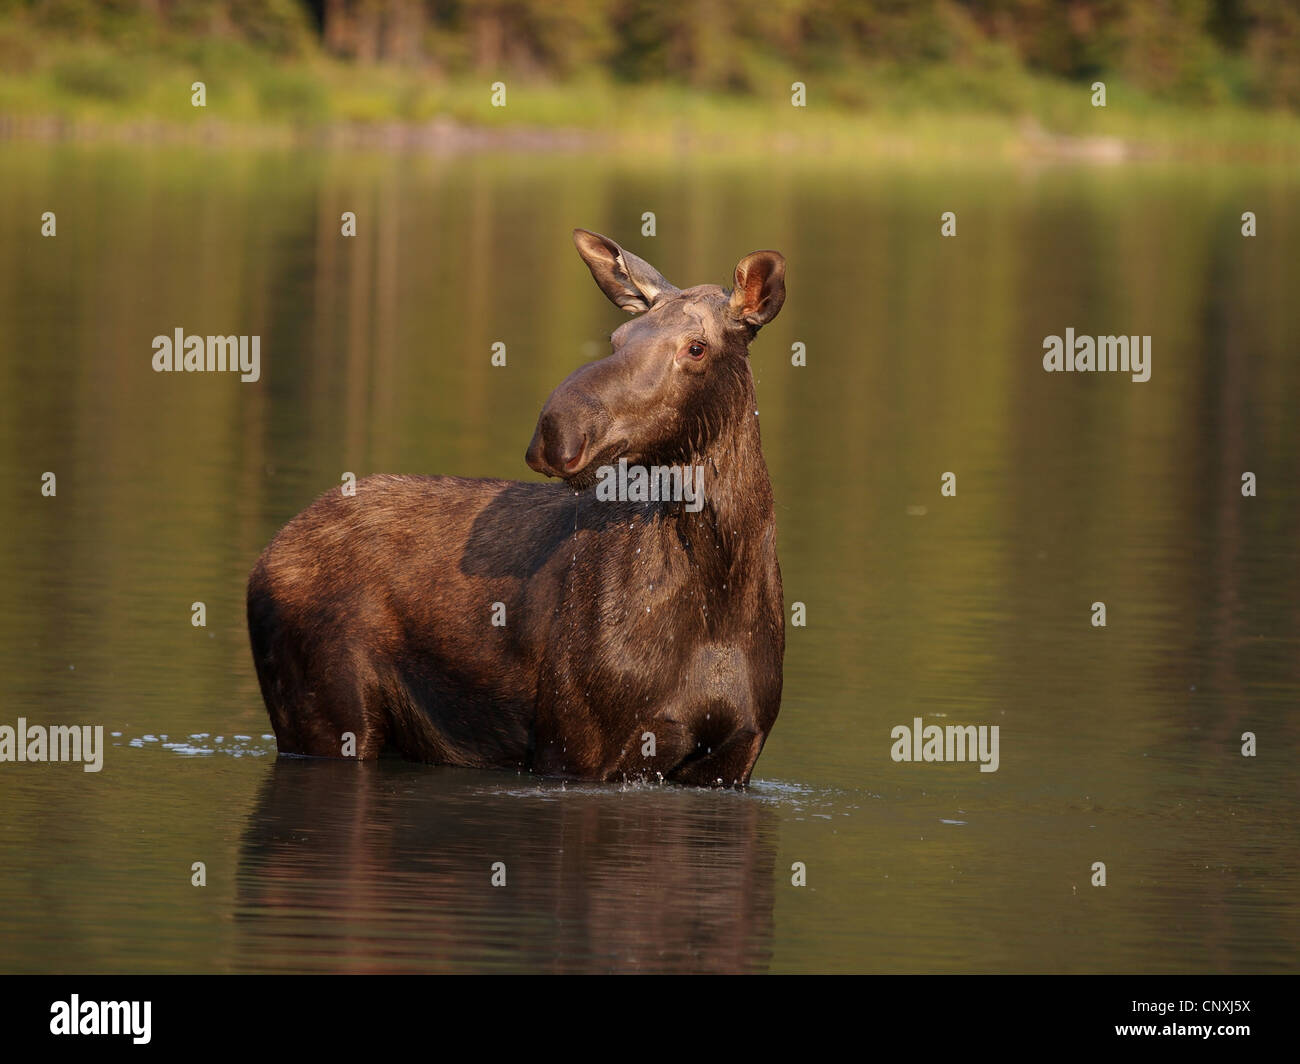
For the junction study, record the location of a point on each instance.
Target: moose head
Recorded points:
(677, 374)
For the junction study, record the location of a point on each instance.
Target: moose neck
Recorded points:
(734, 523)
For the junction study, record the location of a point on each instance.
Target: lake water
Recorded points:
(1119, 744)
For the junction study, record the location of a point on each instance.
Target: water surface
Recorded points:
(1119, 744)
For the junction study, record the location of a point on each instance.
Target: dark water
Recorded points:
(1119, 744)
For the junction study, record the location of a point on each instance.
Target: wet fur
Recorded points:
(370, 614)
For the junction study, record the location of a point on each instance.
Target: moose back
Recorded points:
(565, 629)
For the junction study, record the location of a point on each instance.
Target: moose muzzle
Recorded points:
(570, 432)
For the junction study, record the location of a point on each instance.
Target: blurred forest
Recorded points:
(1191, 51)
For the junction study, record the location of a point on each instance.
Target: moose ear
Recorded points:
(760, 287)
(630, 283)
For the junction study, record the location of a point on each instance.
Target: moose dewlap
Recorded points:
(548, 627)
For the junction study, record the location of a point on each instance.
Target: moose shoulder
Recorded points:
(568, 629)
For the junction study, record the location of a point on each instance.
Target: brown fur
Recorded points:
(371, 614)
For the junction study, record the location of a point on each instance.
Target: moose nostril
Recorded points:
(571, 462)
(569, 431)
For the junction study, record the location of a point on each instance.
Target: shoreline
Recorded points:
(1022, 140)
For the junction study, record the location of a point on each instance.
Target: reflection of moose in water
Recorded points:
(388, 867)
(640, 638)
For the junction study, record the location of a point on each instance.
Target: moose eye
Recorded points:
(696, 349)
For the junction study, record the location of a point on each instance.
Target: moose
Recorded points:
(544, 626)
